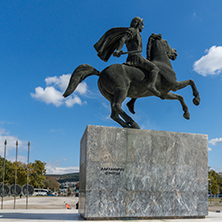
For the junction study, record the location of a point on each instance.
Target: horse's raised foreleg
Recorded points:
(119, 97)
(183, 84)
(130, 105)
(173, 96)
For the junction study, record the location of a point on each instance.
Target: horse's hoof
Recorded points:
(134, 126)
(163, 96)
(130, 108)
(196, 101)
(186, 115)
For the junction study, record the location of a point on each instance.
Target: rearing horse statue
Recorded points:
(118, 81)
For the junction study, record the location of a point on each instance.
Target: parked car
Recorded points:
(41, 192)
(52, 195)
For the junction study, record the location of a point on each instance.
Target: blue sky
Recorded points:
(42, 42)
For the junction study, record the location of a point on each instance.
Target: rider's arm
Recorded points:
(122, 41)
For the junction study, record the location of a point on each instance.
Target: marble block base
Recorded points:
(131, 173)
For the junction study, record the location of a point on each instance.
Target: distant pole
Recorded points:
(27, 176)
(3, 173)
(16, 156)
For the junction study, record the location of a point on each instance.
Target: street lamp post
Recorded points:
(210, 189)
(16, 156)
(27, 175)
(3, 180)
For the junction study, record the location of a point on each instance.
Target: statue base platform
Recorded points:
(142, 174)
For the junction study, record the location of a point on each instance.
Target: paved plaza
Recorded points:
(58, 215)
(52, 209)
(40, 202)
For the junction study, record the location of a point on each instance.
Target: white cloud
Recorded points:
(81, 88)
(218, 169)
(60, 131)
(50, 169)
(209, 149)
(53, 167)
(11, 146)
(6, 122)
(211, 63)
(48, 95)
(22, 159)
(11, 141)
(196, 17)
(215, 141)
(53, 92)
(61, 81)
(70, 101)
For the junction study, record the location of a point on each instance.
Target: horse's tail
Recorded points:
(79, 74)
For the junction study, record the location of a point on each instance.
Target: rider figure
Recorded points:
(133, 41)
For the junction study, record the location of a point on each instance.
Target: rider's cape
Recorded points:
(109, 42)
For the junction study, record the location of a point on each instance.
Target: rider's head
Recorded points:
(137, 21)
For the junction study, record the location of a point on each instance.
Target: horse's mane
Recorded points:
(150, 42)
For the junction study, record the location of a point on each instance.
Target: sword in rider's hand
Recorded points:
(123, 53)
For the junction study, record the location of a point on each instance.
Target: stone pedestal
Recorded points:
(131, 173)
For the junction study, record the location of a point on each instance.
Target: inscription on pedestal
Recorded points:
(111, 171)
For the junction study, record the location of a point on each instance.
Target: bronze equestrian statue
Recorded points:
(138, 77)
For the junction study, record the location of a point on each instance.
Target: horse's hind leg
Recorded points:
(119, 97)
(116, 118)
(173, 96)
(183, 84)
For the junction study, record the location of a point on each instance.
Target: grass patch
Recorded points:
(215, 201)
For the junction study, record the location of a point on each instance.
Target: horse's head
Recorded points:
(171, 53)
(158, 47)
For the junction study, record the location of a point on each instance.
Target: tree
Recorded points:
(215, 179)
(37, 173)
(51, 183)
(8, 170)
(21, 173)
